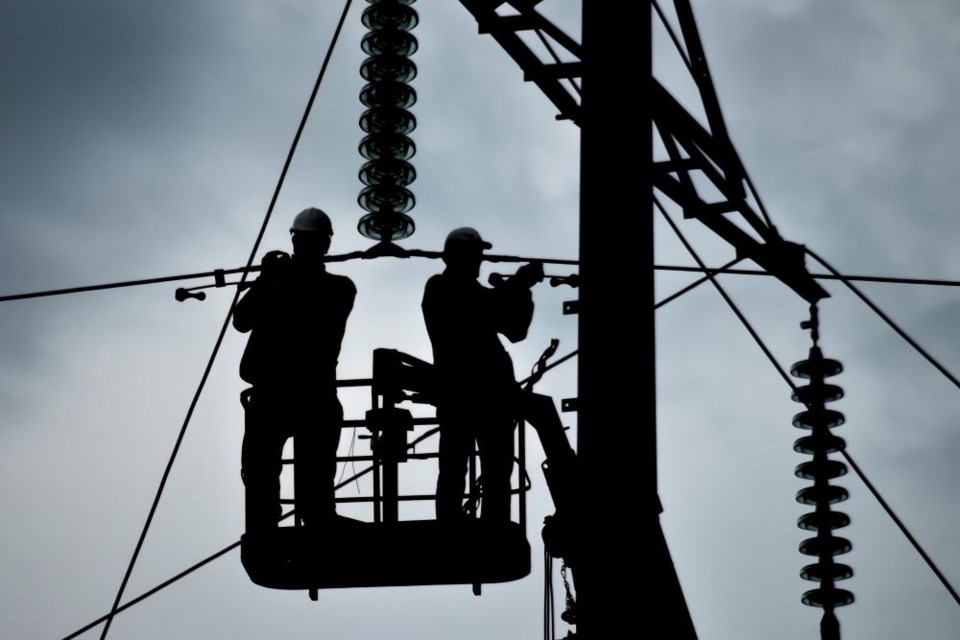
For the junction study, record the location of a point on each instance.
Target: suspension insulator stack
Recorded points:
(824, 546)
(387, 120)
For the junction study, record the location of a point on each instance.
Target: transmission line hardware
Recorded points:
(819, 420)
(387, 120)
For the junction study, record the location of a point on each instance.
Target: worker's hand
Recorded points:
(530, 274)
(274, 266)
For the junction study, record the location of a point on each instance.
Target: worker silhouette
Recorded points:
(296, 313)
(478, 398)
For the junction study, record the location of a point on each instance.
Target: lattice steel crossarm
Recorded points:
(548, 76)
(691, 147)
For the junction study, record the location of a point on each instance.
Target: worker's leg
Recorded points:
(456, 445)
(315, 460)
(260, 462)
(495, 441)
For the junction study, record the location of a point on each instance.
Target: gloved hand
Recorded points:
(273, 267)
(529, 274)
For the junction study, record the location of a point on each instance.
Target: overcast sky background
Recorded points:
(145, 139)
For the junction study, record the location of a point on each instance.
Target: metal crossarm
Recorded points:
(708, 95)
(691, 147)
(548, 76)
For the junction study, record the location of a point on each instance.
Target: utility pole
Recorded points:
(620, 533)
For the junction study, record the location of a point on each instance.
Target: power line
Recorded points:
(219, 274)
(194, 567)
(696, 283)
(720, 290)
(116, 285)
(903, 334)
(820, 276)
(226, 321)
(377, 251)
(846, 455)
(901, 526)
(162, 585)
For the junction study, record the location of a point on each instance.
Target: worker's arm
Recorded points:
(514, 302)
(250, 307)
(245, 311)
(341, 306)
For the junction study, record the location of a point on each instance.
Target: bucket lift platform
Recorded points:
(387, 551)
(386, 554)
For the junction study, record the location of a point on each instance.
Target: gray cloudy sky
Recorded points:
(145, 139)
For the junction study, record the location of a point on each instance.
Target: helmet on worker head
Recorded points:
(464, 240)
(311, 233)
(463, 251)
(312, 220)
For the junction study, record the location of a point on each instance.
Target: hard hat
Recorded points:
(312, 219)
(464, 237)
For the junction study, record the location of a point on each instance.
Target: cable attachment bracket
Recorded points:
(813, 324)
